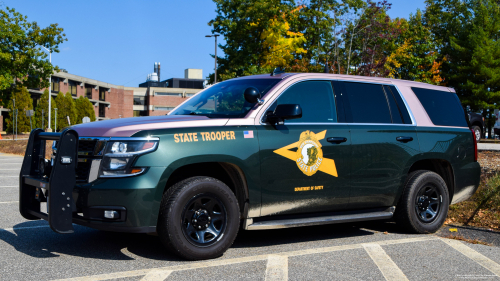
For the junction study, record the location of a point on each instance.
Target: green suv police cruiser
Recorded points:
(264, 152)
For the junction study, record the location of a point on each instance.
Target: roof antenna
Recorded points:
(277, 70)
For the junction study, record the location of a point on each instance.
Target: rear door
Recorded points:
(383, 142)
(300, 170)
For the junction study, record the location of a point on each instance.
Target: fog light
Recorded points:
(111, 214)
(66, 160)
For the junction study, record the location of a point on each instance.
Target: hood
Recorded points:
(126, 127)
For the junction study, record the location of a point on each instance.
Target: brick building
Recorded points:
(151, 98)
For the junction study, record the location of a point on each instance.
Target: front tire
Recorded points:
(199, 218)
(423, 207)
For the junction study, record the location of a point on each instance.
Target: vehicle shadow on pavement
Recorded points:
(85, 242)
(263, 238)
(90, 243)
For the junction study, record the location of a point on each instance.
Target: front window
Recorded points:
(225, 99)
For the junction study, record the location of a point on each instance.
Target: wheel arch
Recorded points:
(229, 173)
(441, 167)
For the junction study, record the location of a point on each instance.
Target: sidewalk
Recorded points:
(488, 146)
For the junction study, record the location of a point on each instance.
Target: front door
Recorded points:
(301, 170)
(383, 143)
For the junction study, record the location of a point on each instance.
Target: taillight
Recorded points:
(475, 145)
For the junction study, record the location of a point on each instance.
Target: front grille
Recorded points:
(86, 150)
(86, 146)
(83, 171)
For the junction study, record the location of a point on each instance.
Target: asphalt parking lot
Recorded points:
(363, 251)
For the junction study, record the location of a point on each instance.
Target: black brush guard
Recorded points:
(58, 182)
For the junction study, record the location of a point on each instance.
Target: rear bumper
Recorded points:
(466, 182)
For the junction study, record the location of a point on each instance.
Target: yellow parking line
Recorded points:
(386, 265)
(474, 255)
(277, 268)
(157, 275)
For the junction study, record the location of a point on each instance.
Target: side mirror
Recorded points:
(252, 95)
(284, 112)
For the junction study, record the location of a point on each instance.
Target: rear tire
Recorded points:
(199, 218)
(423, 207)
(477, 132)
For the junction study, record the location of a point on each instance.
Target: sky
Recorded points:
(118, 42)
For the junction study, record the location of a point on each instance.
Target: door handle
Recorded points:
(404, 139)
(336, 140)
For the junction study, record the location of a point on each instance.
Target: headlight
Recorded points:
(120, 155)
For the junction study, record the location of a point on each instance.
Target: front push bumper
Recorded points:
(130, 200)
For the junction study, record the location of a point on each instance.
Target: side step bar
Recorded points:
(319, 220)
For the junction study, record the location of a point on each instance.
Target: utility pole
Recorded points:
(15, 118)
(55, 120)
(215, 75)
(50, 88)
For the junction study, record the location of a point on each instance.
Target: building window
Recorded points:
(139, 100)
(102, 94)
(164, 107)
(138, 113)
(169, 94)
(55, 84)
(72, 87)
(88, 91)
(102, 110)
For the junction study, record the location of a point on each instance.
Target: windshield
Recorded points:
(225, 99)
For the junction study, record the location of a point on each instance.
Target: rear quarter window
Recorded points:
(444, 108)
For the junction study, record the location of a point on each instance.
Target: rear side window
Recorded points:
(401, 108)
(444, 108)
(366, 103)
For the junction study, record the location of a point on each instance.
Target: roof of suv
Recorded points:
(285, 76)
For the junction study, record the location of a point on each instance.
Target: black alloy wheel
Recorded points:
(423, 206)
(204, 219)
(199, 218)
(428, 203)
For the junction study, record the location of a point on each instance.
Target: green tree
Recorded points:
(242, 23)
(43, 104)
(415, 55)
(84, 108)
(65, 107)
(22, 58)
(23, 102)
(467, 34)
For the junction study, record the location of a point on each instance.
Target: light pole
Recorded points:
(215, 35)
(50, 87)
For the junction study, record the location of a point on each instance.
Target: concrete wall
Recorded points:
(192, 73)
